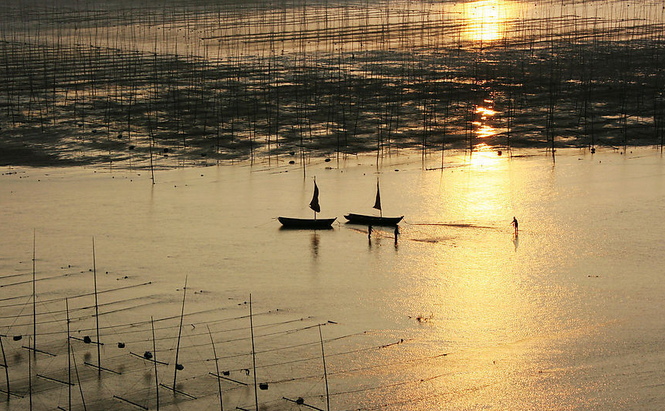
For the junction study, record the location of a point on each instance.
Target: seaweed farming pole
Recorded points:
(6, 366)
(151, 136)
(94, 273)
(251, 328)
(325, 372)
(30, 372)
(78, 380)
(69, 359)
(34, 294)
(219, 381)
(177, 349)
(154, 350)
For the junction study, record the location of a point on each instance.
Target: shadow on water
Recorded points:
(516, 241)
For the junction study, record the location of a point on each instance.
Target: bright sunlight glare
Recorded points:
(485, 19)
(481, 127)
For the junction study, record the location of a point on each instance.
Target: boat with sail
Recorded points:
(309, 223)
(365, 219)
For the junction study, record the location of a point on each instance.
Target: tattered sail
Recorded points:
(313, 223)
(377, 203)
(371, 220)
(314, 204)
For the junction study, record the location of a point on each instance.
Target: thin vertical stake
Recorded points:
(78, 379)
(219, 381)
(325, 371)
(94, 272)
(251, 327)
(154, 351)
(34, 294)
(30, 372)
(69, 358)
(177, 350)
(4, 360)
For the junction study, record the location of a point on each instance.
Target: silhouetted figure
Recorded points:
(369, 231)
(515, 223)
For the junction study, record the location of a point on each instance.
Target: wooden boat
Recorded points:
(312, 223)
(365, 219)
(309, 223)
(372, 220)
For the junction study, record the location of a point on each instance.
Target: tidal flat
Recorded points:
(181, 83)
(458, 313)
(147, 149)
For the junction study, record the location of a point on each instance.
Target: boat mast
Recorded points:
(251, 327)
(177, 350)
(314, 204)
(377, 202)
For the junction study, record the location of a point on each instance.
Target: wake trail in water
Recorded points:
(456, 225)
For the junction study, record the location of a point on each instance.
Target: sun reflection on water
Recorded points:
(484, 113)
(484, 155)
(485, 20)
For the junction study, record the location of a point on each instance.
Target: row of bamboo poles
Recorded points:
(208, 80)
(94, 350)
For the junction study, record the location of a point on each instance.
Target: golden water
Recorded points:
(568, 315)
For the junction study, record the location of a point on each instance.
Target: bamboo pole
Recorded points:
(219, 381)
(177, 351)
(154, 350)
(94, 272)
(251, 327)
(6, 367)
(69, 359)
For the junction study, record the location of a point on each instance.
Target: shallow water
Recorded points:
(138, 82)
(569, 315)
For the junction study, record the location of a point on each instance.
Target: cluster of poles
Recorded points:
(135, 380)
(156, 84)
(74, 378)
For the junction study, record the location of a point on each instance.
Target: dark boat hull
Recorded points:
(310, 223)
(372, 220)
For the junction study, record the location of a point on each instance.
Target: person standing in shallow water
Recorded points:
(515, 223)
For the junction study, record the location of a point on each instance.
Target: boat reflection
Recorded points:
(315, 244)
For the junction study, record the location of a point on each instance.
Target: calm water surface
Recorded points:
(569, 315)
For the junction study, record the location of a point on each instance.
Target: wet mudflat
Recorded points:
(458, 313)
(176, 83)
(173, 135)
